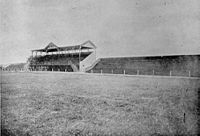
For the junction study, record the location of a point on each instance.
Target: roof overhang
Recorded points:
(51, 47)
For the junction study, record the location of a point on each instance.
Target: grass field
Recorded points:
(43, 104)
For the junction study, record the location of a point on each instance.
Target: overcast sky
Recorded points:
(116, 27)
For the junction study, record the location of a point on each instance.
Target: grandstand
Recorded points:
(68, 58)
(174, 65)
(83, 58)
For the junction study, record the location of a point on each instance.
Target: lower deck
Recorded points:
(66, 68)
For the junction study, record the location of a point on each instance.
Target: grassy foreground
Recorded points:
(43, 104)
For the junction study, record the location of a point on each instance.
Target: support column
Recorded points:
(79, 57)
(95, 54)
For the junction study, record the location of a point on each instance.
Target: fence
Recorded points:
(185, 73)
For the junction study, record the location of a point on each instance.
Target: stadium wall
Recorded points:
(179, 65)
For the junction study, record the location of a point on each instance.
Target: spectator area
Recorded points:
(182, 65)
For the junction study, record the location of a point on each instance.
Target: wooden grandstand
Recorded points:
(67, 58)
(82, 58)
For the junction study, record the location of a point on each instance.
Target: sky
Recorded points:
(116, 27)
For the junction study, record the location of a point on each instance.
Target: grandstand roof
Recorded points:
(51, 47)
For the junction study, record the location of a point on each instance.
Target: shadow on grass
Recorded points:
(6, 132)
(198, 109)
(198, 98)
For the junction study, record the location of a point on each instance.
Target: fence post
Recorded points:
(124, 72)
(65, 70)
(184, 117)
(101, 71)
(153, 72)
(138, 72)
(52, 69)
(189, 74)
(112, 71)
(170, 73)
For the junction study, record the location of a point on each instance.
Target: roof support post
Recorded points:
(95, 54)
(79, 57)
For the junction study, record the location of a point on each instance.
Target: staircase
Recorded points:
(93, 64)
(88, 62)
(74, 67)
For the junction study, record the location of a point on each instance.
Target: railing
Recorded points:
(186, 73)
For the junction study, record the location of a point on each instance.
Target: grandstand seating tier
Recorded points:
(57, 62)
(178, 65)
